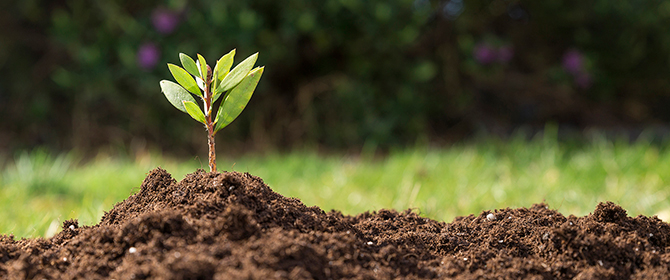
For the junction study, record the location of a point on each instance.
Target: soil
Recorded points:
(232, 226)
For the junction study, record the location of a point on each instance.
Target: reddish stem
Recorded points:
(210, 143)
(208, 121)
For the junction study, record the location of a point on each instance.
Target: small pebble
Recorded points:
(132, 250)
(370, 243)
(64, 259)
(500, 241)
(177, 255)
(545, 236)
(465, 259)
(491, 217)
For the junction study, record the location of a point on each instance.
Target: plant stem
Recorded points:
(208, 119)
(210, 143)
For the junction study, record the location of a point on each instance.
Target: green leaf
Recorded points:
(203, 67)
(194, 111)
(236, 75)
(237, 99)
(184, 79)
(176, 94)
(189, 64)
(222, 68)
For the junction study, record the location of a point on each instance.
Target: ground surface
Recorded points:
(233, 226)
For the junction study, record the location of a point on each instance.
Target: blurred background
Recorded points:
(340, 74)
(345, 77)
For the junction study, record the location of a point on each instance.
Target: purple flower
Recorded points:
(505, 54)
(485, 54)
(573, 62)
(164, 20)
(148, 55)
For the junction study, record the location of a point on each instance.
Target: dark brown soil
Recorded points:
(233, 226)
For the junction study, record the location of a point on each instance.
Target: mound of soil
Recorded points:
(232, 226)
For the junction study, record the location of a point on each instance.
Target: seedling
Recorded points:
(196, 78)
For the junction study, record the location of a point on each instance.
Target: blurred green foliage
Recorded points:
(340, 72)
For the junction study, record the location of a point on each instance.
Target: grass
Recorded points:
(38, 191)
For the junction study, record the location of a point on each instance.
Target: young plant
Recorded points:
(196, 78)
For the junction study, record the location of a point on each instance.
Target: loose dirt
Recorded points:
(232, 226)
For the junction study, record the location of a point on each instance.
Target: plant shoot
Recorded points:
(234, 87)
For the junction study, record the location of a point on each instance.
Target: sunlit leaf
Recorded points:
(222, 68)
(176, 94)
(237, 99)
(237, 74)
(194, 111)
(189, 64)
(203, 66)
(184, 79)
